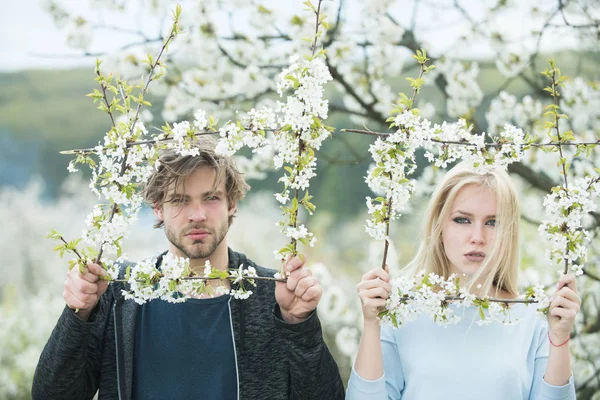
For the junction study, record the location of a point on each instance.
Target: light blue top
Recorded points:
(426, 361)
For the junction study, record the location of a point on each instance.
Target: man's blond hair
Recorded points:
(169, 179)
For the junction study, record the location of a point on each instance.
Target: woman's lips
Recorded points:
(475, 256)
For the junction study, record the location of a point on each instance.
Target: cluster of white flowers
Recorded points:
(300, 232)
(506, 108)
(250, 131)
(121, 168)
(394, 158)
(438, 298)
(581, 101)
(563, 228)
(79, 33)
(300, 118)
(239, 277)
(297, 132)
(464, 94)
(174, 282)
(537, 294)
(508, 146)
(512, 60)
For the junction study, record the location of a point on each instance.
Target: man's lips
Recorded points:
(475, 256)
(197, 234)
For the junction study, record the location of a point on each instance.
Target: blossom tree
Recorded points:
(232, 52)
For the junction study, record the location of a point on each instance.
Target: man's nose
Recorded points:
(197, 212)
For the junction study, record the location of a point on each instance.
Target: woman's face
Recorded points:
(469, 229)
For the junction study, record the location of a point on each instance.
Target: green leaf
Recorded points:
(54, 235)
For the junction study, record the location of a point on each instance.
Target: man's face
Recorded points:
(196, 220)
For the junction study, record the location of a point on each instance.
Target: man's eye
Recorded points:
(178, 201)
(491, 222)
(213, 198)
(461, 220)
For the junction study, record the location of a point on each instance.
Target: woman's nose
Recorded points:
(477, 236)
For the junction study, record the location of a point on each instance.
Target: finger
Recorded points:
(565, 313)
(561, 302)
(376, 273)
(102, 286)
(304, 284)
(82, 300)
(313, 293)
(567, 293)
(88, 277)
(76, 273)
(374, 293)
(295, 277)
(567, 280)
(293, 264)
(73, 302)
(373, 283)
(83, 286)
(96, 269)
(82, 283)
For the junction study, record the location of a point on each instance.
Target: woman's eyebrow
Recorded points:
(470, 215)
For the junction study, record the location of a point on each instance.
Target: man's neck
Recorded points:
(219, 259)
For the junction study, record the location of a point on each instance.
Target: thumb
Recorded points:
(96, 269)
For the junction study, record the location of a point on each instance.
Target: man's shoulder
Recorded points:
(262, 271)
(236, 259)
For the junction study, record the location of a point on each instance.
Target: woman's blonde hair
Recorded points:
(501, 264)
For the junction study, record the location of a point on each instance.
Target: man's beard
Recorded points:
(198, 250)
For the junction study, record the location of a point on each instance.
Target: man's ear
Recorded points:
(158, 211)
(232, 210)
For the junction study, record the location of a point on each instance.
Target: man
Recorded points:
(269, 346)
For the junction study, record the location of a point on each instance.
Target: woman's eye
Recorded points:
(461, 220)
(213, 198)
(491, 222)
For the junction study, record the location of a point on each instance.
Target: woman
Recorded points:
(472, 225)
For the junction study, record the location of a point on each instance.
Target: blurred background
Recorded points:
(488, 55)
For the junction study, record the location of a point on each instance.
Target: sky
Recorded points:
(30, 39)
(28, 30)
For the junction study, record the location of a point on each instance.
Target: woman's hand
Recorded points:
(373, 290)
(563, 309)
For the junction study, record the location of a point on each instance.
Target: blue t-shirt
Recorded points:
(185, 351)
(423, 361)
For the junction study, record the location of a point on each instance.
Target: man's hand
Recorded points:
(299, 296)
(82, 291)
